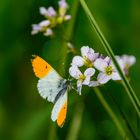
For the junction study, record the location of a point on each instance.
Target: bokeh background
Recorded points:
(24, 115)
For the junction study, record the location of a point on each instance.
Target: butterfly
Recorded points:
(53, 87)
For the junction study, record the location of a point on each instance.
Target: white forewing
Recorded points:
(50, 85)
(58, 105)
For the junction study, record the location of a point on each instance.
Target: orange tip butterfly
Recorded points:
(53, 87)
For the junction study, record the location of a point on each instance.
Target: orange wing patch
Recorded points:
(62, 115)
(40, 67)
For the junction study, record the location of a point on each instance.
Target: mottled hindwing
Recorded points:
(50, 82)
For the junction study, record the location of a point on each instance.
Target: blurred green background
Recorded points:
(24, 115)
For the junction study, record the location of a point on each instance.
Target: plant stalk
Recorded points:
(111, 113)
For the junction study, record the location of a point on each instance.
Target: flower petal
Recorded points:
(89, 72)
(103, 78)
(35, 29)
(94, 84)
(116, 76)
(79, 86)
(63, 4)
(88, 53)
(93, 57)
(100, 64)
(44, 23)
(74, 72)
(84, 51)
(51, 12)
(43, 11)
(107, 59)
(78, 61)
(129, 60)
(48, 32)
(86, 81)
(67, 17)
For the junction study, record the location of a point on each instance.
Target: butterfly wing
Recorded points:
(50, 82)
(60, 109)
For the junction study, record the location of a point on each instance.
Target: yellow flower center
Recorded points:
(108, 70)
(87, 62)
(82, 77)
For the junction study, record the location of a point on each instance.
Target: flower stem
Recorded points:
(124, 118)
(76, 123)
(52, 132)
(131, 94)
(68, 35)
(111, 113)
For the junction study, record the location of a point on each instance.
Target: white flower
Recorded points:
(107, 70)
(48, 32)
(87, 59)
(127, 61)
(35, 29)
(63, 7)
(53, 17)
(63, 4)
(82, 79)
(49, 13)
(67, 17)
(44, 23)
(42, 27)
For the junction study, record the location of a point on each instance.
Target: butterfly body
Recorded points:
(53, 87)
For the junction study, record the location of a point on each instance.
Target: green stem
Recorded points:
(124, 118)
(52, 132)
(68, 34)
(76, 123)
(111, 113)
(127, 86)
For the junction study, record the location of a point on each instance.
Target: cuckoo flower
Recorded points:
(42, 27)
(107, 70)
(127, 61)
(53, 17)
(82, 79)
(63, 7)
(87, 59)
(48, 13)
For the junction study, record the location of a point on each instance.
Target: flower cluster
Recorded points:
(99, 69)
(53, 18)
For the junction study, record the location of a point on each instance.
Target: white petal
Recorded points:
(74, 72)
(107, 59)
(120, 62)
(79, 86)
(93, 57)
(84, 51)
(100, 64)
(78, 61)
(89, 72)
(116, 76)
(67, 17)
(48, 32)
(129, 60)
(63, 4)
(43, 11)
(34, 32)
(36, 29)
(86, 81)
(44, 23)
(103, 78)
(94, 84)
(51, 12)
